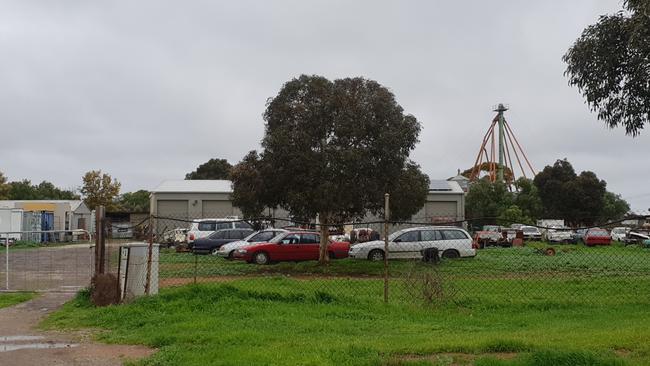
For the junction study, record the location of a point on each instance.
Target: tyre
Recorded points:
(331, 255)
(450, 254)
(231, 255)
(214, 251)
(376, 255)
(261, 258)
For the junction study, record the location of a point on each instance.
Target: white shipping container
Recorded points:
(11, 219)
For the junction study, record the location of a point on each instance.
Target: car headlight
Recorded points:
(242, 251)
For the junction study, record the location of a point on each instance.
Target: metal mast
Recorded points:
(500, 109)
(500, 168)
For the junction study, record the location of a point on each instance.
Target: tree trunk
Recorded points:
(323, 256)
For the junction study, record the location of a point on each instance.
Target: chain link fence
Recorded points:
(427, 261)
(49, 260)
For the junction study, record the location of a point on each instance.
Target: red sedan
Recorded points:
(597, 236)
(291, 246)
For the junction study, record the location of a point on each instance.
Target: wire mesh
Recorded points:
(428, 261)
(51, 261)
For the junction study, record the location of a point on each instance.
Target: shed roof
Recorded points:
(445, 187)
(74, 204)
(194, 186)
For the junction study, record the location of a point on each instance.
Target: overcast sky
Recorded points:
(148, 90)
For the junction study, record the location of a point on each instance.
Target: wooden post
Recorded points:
(386, 218)
(100, 250)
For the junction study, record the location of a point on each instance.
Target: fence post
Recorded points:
(386, 218)
(100, 221)
(7, 262)
(147, 284)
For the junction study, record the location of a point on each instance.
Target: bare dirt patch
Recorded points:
(22, 344)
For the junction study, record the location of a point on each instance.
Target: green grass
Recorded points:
(573, 260)
(279, 320)
(13, 298)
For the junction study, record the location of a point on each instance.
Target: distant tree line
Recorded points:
(97, 189)
(557, 192)
(25, 190)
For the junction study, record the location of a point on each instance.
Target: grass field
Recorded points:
(13, 298)
(584, 306)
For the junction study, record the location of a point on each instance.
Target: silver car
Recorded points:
(262, 236)
(451, 242)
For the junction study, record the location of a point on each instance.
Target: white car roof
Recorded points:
(219, 219)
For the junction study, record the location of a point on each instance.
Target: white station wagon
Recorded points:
(451, 242)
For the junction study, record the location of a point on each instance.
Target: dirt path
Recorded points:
(21, 344)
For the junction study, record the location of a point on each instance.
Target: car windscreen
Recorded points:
(529, 229)
(207, 226)
(598, 233)
(261, 236)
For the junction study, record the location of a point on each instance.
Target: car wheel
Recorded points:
(376, 255)
(331, 255)
(231, 255)
(450, 254)
(214, 251)
(261, 258)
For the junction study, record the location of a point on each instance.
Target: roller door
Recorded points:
(217, 209)
(171, 209)
(441, 210)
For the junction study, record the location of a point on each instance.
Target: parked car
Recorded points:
(488, 235)
(214, 241)
(596, 236)
(559, 234)
(174, 237)
(121, 230)
(451, 242)
(531, 233)
(262, 236)
(619, 233)
(637, 237)
(200, 228)
(291, 246)
(579, 235)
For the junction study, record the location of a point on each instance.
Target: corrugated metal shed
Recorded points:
(194, 186)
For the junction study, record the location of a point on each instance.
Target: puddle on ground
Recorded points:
(18, 342)
(19, 338)
(15, 347)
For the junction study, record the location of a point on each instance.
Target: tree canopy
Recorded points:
(486, 201)
(25, 190)
(137, 201)
(4, 187)
(100, 189)
(331, 149)
(557, 192)
(212, 169)
(610, 65)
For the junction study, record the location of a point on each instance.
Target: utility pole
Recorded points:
(501, 121)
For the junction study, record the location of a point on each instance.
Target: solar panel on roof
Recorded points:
(439, 185)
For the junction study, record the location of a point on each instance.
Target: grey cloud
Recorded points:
(148, 90)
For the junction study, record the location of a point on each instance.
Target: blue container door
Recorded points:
(47, 223)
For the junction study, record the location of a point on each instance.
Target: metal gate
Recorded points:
(58, 265)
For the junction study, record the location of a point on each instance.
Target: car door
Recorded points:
(309, 246)
(457, 240)
(288, 248)
(214, 239)
(430, 238)
(405, 246)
